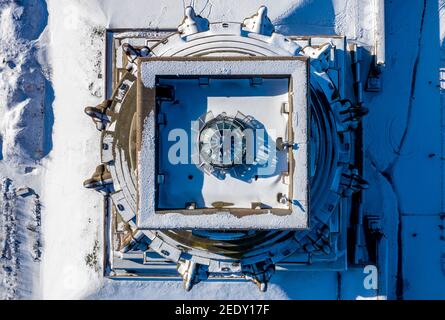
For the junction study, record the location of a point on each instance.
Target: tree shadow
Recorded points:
(313, 17)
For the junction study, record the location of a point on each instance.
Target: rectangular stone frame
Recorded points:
(297, 70)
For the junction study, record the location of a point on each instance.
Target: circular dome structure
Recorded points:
(252, 254)
(222, 144)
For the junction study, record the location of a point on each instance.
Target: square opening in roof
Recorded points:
(184, 182)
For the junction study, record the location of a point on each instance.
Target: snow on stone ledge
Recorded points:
(297, 70)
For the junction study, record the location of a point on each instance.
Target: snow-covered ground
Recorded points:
(52, 66)
(25, 124)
